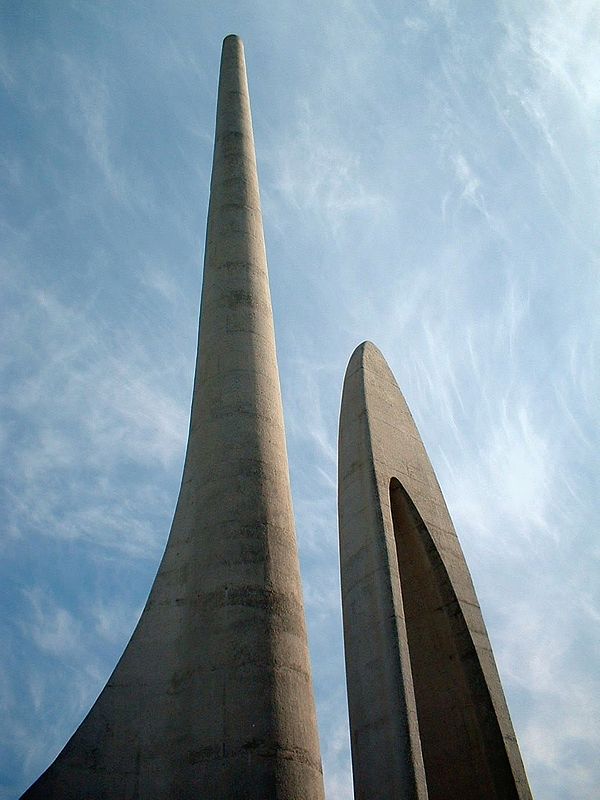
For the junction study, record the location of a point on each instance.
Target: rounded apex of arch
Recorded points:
(369, 358)
(362, 354)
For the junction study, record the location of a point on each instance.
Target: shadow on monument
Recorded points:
(459, 737)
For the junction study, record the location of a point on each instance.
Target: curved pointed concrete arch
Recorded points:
(428, 716)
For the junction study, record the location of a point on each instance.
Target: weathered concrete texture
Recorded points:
(428, 716)
(213, 698)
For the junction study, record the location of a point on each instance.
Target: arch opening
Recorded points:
(440, 647)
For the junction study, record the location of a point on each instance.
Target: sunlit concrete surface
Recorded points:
(428, 717)
(213, 696)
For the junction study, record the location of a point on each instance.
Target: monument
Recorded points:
(428, 718)
(212, 698)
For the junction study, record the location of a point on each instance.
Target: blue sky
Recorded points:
(430, 181)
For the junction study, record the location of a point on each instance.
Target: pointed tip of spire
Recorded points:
(233, 47)
(232, 38)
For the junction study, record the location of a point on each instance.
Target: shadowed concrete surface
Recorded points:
(428, 717)
(213, 698)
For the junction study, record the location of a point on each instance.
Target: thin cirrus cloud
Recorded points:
(429, 180)
(110, 410)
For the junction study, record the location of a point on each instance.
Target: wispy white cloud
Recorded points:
(547, 76)
(415, 23)
(561, 38)
(114, 619)
(514, 469)
(96, 409)
(470, 184)
(52, 628)
(90, 107)
(536, 657)
(7, 72)
(338, 779)
(317, 173)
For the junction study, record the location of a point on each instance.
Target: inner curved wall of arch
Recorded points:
(452, 743)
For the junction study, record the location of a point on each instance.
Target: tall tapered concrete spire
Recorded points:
(213, 695)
